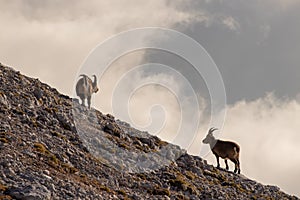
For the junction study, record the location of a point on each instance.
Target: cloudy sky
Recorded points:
(254, 44)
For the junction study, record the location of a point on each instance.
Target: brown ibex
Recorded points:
(224, 149)
(85, 87)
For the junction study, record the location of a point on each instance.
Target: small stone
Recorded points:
(38, 93)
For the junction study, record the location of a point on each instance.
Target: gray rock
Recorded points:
(30, 192)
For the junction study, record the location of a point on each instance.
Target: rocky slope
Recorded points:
(47, 153)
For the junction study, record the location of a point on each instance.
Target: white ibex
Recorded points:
(224, 149)
(85, 87)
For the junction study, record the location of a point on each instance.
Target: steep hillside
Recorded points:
(53, 148)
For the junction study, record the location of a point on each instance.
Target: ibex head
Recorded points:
(95, 87)
(209, 138)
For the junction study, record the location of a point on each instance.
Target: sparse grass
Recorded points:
(139, 147)
(122, 192)
(262, 197)
(34, 122)
(159, 191)
(180, 196)
(220, 178)
(103, 161)
(182, 183)
(18, 111)
(53, 161)
(40, 147)
(3, 133)
(3, 187)
(142, 176)
(240, 188)
(57, 134)
(69, 168)
(178, 182)
(190, 175)
(162, 143)
(51, 110)
(4, 140)
(104, 188)
(85, 179)
(124, 146)
(5, 197)
(83, 176)
(53, 158)
(215, 174)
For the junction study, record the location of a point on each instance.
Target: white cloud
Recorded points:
(231, 23)
(265, 29)
(285, 4)
(42, 38)
(168, 92)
